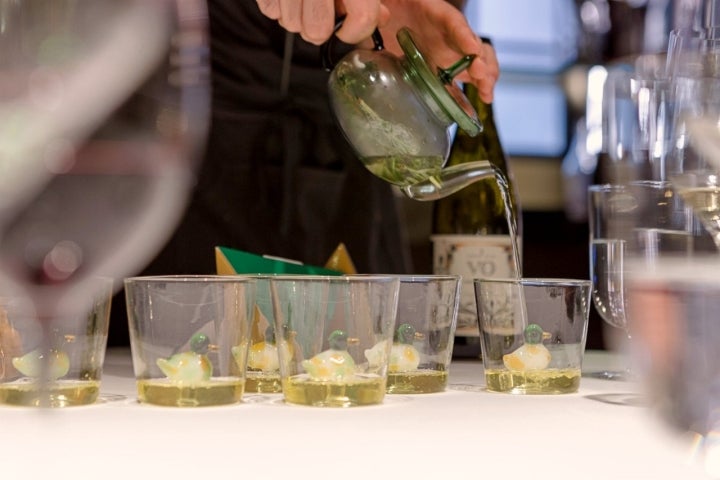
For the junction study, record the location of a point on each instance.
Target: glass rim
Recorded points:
(180, 278)
(352, 278)
(609, 187)
(536, 281)
(418, 278)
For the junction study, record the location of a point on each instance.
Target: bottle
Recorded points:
(472, 235)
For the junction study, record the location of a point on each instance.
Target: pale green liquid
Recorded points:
(61, 393)
(404, 170)
(218, 391)
(360, 390)
(510, 215)
(705, 203)
(547, 381)
(262, 382)
(417, 381)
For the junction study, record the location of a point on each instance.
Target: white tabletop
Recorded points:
(464, 432)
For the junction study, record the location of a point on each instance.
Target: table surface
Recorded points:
(599, 432)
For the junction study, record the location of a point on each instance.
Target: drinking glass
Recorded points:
(424, 333)
(263, 364)
(674, 298)
(674, 301)
(335, 336)
(532, 333)
(76, 358)
(644, 219)
(693, 70)
(674, 304)
(637, 116)
(104, 112)
(189, 336)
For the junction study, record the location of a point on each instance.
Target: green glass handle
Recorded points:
(446, 75)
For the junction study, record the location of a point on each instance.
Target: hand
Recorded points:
(314, 20)
(445, 32)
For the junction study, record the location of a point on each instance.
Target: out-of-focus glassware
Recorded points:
(674, 304)
(694, 69)
(673, 296)
(700, 190)
(104, 112)
(644, 219)
(637, 118)
(75, 359)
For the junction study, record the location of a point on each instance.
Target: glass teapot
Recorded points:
(397, 113)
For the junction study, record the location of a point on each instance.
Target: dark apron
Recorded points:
(278, 177)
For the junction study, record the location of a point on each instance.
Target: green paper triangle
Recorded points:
(249, 263)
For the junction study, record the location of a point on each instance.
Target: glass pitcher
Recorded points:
(397, 113)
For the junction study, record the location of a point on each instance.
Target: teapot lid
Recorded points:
(446, 93)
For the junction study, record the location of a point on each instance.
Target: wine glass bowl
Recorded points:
(104, 114)
(700, 190)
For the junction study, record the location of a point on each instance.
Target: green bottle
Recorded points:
(472, 235)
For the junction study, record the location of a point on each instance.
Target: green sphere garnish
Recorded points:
(533, 334)
(405, 334)
(199, 343)
(338, 340)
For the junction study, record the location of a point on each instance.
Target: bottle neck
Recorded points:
(484, 110)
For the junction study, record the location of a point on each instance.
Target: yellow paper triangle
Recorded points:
(222, 264)
(340, 260)
(259, 324)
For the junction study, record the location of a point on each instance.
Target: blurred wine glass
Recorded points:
(674, 301)
(641, 220)
(104, 112)
(637, 113)
(694, 69)
(700, 190)
(636, 118)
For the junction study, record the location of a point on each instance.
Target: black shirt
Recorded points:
(277, 175)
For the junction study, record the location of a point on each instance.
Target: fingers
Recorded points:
(484, 72)
(270, 8)
(318, 20)
(314, 19)
(361, 18)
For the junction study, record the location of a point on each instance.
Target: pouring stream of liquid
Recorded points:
(454, 178)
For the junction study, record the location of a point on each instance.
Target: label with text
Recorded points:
(472, 256)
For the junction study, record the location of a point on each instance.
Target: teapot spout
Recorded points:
(449, 181)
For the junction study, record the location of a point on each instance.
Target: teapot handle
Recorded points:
(325, 49)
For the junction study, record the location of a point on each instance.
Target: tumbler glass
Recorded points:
(532, 333)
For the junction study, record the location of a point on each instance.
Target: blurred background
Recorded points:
(553, 58)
